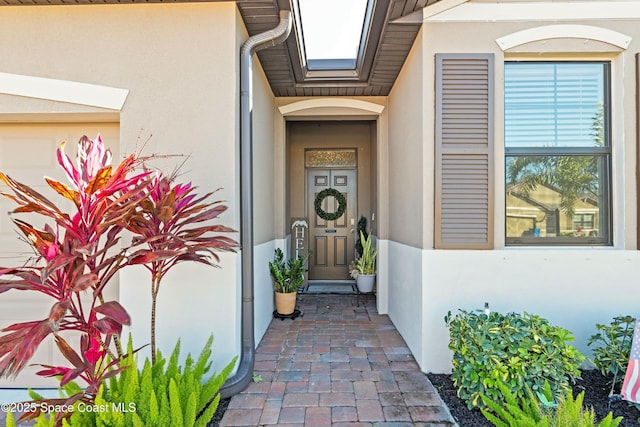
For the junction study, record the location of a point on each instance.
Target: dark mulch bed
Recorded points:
(217, 417)
(595, 386)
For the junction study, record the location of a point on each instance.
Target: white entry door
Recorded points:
(28, 154)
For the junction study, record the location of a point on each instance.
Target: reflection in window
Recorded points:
(557, 197)
(557, 164)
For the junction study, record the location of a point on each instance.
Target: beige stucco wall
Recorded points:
(569, 286)
(263, 156)
(409, 199)
(476, 37)
(179, 63)
(406, 153)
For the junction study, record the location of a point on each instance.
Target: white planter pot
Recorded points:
(365, 282)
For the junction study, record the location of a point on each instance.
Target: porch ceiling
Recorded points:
(394, 28)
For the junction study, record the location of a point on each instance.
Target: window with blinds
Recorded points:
(558, 153)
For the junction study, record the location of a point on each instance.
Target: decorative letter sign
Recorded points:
(300, 240)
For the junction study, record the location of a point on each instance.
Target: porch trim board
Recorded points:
(63, 90)
(547, 32)
(356, 105)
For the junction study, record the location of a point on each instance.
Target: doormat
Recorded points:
(329, 287)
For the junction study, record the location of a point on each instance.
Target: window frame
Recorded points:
(604, 152)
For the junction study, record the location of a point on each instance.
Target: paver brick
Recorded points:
(337, 399)
(343, 414)
(338, 386)
(241, 417)
(413, 398)
(340, 365)
(396, 413)
(300, 399)
(297, 387)
(365, 390)
(288, 376)
(276, 391)
(391, 399)
(291, 415)
(248, 401)
(270, 412)
(318, 417)
(369, 410)
(319, 384)
(429, 414)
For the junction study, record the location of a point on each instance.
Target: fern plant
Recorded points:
(527, 412)
(160, 394)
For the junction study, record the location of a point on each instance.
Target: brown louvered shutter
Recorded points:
(464, 151)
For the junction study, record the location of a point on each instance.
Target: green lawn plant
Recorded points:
(528, 412)
(158, 395)
(517, 350)
(612, 347)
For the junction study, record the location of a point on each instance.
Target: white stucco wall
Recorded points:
(573, 288)
(179, 63)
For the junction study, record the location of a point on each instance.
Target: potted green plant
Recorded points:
(287, 278)
(366, 264)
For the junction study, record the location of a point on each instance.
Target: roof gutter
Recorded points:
(269, 38)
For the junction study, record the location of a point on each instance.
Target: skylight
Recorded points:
(332, 32)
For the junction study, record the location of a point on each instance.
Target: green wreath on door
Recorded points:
(330, 216)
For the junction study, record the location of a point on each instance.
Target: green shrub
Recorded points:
(527, 412)
(612, 346)
(153, 396)
(518, 350)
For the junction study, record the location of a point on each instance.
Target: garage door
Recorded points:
(27, 154)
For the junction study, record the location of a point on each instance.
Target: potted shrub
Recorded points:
(287, 278)
(366, 265)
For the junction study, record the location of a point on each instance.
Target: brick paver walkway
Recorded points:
(338, 365)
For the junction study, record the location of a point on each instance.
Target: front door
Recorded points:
(331, 240)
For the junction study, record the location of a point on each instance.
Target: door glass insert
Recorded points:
(343, 158)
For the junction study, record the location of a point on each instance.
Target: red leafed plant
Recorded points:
(79, 252)
(173, 225)
(76, 256)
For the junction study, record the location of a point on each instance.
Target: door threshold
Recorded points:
(327, 281)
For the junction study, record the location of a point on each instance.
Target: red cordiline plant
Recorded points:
(76, 255)
(80, 253)
(173, 225)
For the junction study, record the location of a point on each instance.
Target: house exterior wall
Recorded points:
(183, 94)
(264, 176)
(573, 287)
(408, 193)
